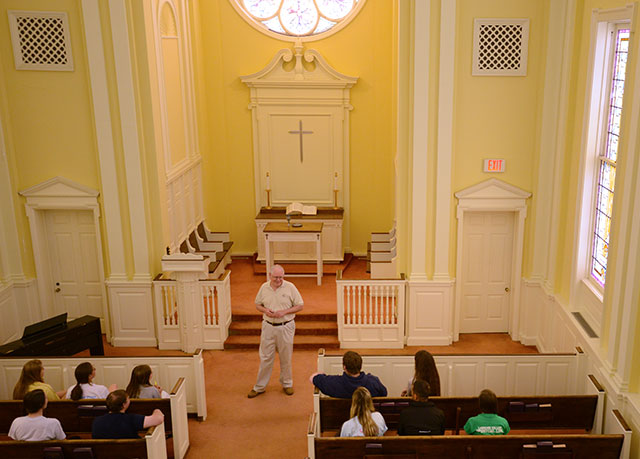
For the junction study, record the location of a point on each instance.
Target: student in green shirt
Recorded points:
(487, 422)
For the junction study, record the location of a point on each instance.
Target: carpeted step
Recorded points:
(303, 327)
(299, 342)
(300, 317)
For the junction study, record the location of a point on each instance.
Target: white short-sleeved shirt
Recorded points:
(284, 297)
(353, 428)
(39, 428)
(89, 390)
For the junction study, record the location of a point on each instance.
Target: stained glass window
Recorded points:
(607, 159)
(299, 18)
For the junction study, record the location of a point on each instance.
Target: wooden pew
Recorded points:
(76, 416)
(566, 412)
(467, 446)
(152, 446)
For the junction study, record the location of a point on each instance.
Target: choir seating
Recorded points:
(381, 255)
(216, 246)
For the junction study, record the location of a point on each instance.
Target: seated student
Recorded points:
(425, 369)
(118, 424)
(140, 384)
(487, 422)
(365, 421)
(84, 389)
(342, 386)
(31, 378)
(34, 426)
(422, 417)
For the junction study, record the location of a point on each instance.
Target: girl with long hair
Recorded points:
(140, 384)
(425, 370)
(365, 421)
(32, 377)
(84, 387)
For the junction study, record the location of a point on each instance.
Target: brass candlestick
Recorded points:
(268, 206)
(335, 199)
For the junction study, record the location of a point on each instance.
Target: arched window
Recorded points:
(293, 19)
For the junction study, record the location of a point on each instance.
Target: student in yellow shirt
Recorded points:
(31, 378)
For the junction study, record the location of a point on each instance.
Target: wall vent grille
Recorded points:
(40, 40)
(500, 47)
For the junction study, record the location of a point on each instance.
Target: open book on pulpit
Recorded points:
(297, 208)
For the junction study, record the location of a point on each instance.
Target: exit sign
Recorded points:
(494, 165)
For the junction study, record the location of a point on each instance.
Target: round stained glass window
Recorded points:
(294, 19)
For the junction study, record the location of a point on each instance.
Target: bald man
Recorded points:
(278, 300)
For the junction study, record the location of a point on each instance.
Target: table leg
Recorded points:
(267, 251)
(319, 258)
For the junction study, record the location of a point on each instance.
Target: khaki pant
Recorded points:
(275, 339)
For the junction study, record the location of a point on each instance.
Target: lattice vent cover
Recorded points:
(40, 40)
(500, 47)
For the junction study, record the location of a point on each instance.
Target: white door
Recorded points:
(487, 250)
(73, 260)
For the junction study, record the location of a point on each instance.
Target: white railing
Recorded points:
(371, 313)
(206, 321)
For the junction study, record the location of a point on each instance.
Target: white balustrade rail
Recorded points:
(371, 313)
(211, 316)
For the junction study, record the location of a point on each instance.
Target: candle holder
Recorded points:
(335, 199)
(268, 206)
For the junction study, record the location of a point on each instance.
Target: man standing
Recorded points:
(278, 300)
(343, 386)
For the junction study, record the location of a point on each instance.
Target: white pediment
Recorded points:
(59, 187)
(492, 189)
(316, 72)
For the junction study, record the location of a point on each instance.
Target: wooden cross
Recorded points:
(301, 132)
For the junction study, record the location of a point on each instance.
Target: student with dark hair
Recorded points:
(140, 384)
(365, 420)
(84, 387)
(31, 378)
(422, 417)
(427, 371)
(487, 422)
(34, 426)
(343, 386)
(118, 424)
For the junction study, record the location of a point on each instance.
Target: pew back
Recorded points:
(465, 446)
(561, 412)
(152, 446)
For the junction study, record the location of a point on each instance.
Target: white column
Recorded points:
(104, 137)
(445, 138)
(130, 141)
(418, 247)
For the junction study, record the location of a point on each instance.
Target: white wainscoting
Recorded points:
(429, 313)
(131, 305)
(59, 373)
(184, 200)
(18, 308)
(467, 375)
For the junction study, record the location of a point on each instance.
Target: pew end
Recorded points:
(615, 424)
(180, 424)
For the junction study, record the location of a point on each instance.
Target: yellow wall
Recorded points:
(497, 117)
(231, 48)
(47, 117)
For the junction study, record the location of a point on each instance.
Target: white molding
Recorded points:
(18, 308)
(130, 141)
(104, 137)
(10, 258)
(446, 82)
(490, 196)
(52, 194)
(429, 313)
(418, 190)
(552, 135)
(132, 321)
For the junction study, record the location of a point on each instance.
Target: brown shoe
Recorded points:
(252, 393)
(288, 390)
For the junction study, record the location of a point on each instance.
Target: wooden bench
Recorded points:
(76, 416)
(567, 412)
(152, 446)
